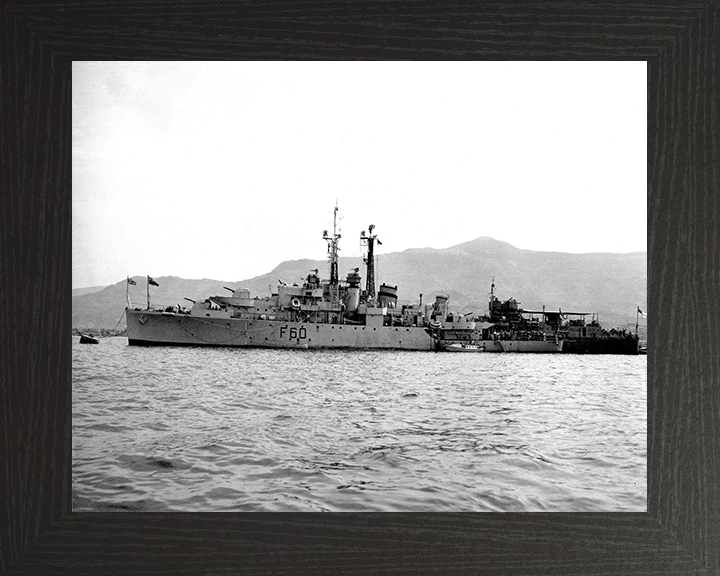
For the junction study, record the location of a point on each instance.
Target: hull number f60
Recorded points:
(293, 333)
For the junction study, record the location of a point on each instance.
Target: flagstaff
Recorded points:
(150, 282)
(129, 282)
(637, 318)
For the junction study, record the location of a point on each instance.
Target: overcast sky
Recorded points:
(224, 170)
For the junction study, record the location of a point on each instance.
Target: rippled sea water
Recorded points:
(240, 430)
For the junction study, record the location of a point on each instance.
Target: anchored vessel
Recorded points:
(318, 314)
(583, 337)
(88, 339)
(498, 331)
(509, 327)
(577, 334)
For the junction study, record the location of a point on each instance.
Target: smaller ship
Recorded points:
(88, 339)
(578, 335)
(507, 327)
(488, 333)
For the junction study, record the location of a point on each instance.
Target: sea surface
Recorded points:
(243, 430)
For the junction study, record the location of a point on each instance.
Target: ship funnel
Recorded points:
(387, 296)
(439, 309)
(313, 280)
(352, 299)
(352, 296)
(353, 278)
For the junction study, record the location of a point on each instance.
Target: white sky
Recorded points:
(224, 170)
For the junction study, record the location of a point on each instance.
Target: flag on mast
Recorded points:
(129, 282)
(150, 282)
(643, 314)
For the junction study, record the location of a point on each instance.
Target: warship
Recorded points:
(317, 314)
(570, 332)
(579, 336)
(500, 330)
(506, 327)
(589, 337)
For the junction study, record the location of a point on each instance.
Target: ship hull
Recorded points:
(154, 328)
(524, 346)
(628, 345)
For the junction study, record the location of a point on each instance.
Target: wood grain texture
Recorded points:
(680, 532)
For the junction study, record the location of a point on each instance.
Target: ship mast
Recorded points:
(492, 295)
(369, 241)
(333, 256)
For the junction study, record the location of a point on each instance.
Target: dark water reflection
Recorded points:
(193, 429)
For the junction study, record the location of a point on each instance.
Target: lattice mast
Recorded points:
(333, 250)
(369, 259)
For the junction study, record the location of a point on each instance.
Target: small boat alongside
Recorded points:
(88, 339)
(460, 347)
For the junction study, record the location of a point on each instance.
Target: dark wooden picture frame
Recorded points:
(680, 532)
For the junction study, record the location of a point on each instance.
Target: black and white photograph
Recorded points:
(359, 287)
